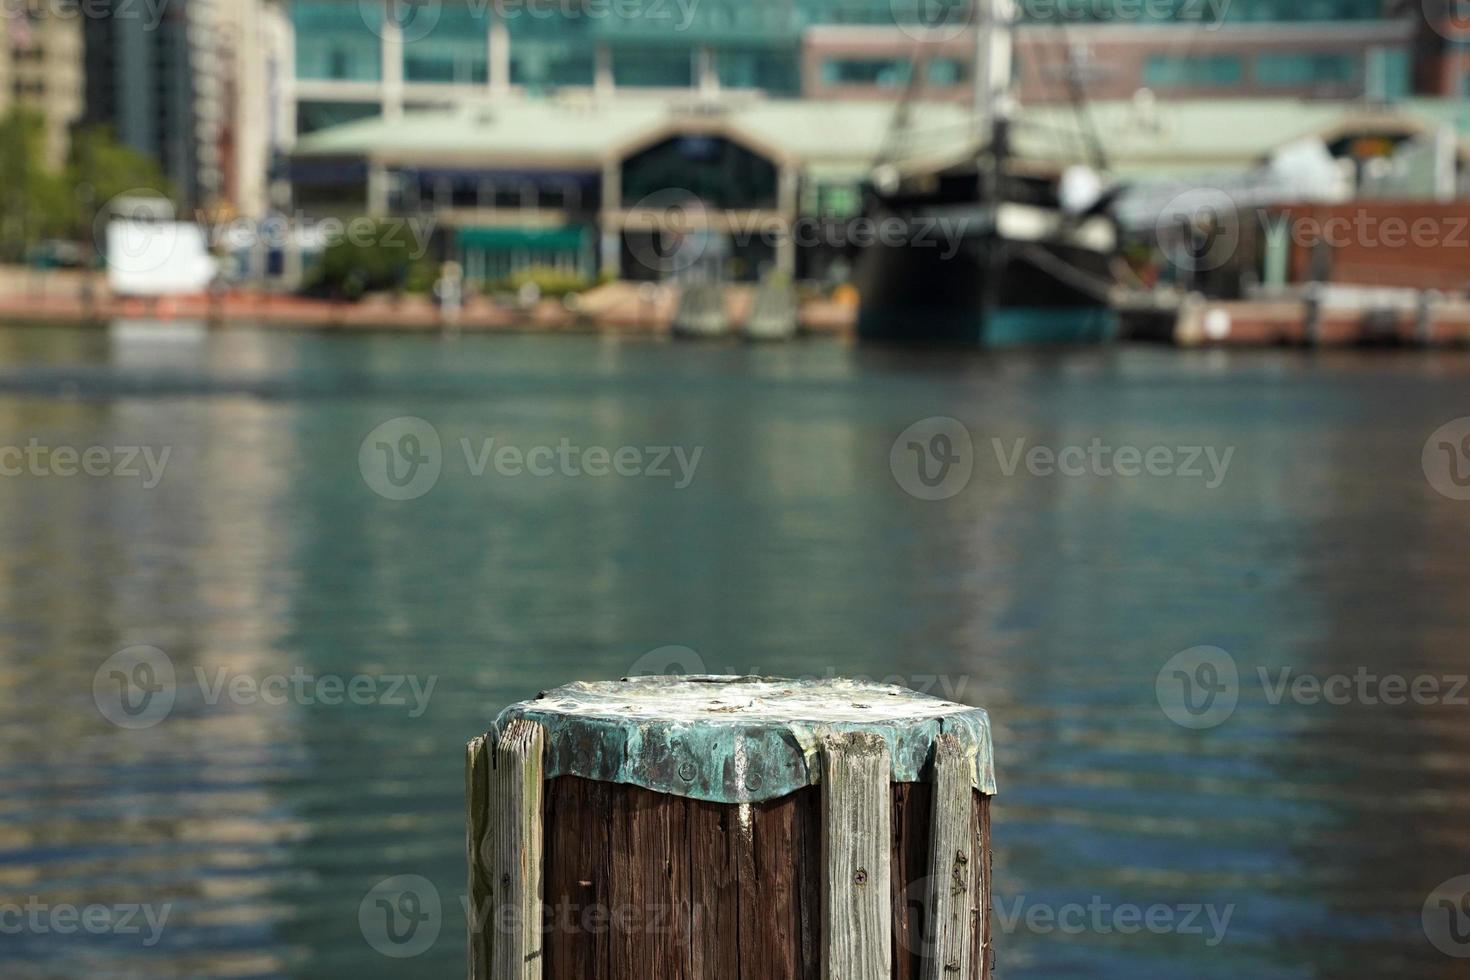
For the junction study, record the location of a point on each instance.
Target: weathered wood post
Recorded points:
(731, 828)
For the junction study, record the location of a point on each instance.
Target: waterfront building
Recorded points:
(255, 60)
(1182, 49)
(41, 68)
(357, 59)
(589, 185)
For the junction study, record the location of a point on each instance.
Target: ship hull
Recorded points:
(1010, 278)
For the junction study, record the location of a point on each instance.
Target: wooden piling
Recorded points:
(731, 829)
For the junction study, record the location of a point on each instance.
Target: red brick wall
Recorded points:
(1410, 244)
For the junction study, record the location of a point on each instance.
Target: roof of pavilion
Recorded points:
(1142, 140)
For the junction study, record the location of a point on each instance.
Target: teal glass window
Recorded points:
(338, 40)
(454, 49)
(549, 53)
(884, 72)
(1193, 11)
(947, 71)
(315, 115)
(1171, 71)
(1289, 69)
(654, 67)
(1389, 74)
(777, 71)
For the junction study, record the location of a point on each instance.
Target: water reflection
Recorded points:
(1052, 601)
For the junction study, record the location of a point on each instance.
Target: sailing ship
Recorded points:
(1031, 244)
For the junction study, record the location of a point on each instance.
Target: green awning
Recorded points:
(568, 239)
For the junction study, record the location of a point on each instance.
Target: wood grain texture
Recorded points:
(745, 880)
(578, 882)
(857, 911)
(651, 888)
(953, 895)
(911, 826)
(985, 951)
(515, 848)
(477, 889)
(720, 892)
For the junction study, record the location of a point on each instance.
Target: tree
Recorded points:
(33, 200)
(37, 203)
(99, 170)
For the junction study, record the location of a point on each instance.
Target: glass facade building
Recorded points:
(539, 46)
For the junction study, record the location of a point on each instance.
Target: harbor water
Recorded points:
(429, 527)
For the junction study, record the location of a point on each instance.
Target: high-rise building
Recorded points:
(41, 67)
(154, 74)
(362, 58)
(1112, 49)
(255, 55)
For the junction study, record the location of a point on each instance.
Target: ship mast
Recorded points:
(994, 55)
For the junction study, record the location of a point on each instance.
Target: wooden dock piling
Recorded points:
(723, 828)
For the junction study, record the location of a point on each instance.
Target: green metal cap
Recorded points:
(740, 739)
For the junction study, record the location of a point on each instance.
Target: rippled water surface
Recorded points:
(1053, 601)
